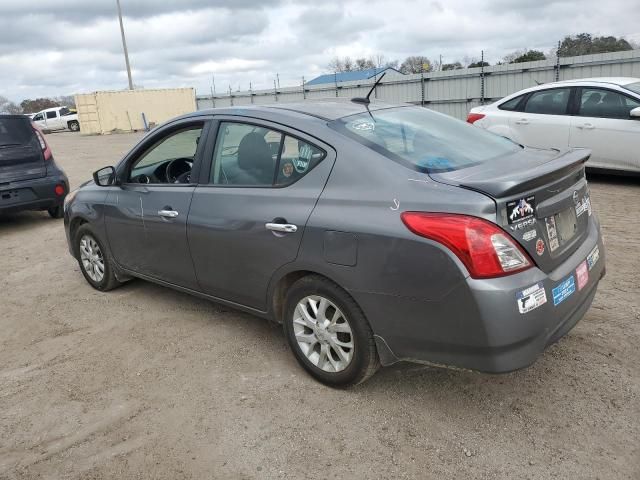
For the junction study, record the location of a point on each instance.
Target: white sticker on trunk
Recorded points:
(530, 235)
(531, 298)
(552, 232)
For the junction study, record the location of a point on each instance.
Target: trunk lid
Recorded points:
(542, 199)
(21, 156)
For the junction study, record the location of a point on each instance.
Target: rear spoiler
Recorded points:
(501, 179)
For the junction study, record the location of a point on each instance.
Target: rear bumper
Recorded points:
(34, 194)
(478, 325)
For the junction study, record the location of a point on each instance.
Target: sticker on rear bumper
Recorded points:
(564, 290)
(593, 257)
(531, 298)
(582, 275)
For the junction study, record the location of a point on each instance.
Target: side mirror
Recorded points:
(635, 113)
(105, 177)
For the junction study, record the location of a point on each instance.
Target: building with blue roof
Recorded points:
(349, 76)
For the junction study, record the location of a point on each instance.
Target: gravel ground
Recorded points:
(145, 382)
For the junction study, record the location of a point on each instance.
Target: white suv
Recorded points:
(602, 114)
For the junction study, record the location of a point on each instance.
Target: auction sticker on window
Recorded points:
(531, 298)
(564, 290)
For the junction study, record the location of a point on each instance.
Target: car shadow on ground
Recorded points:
(24, 220)
(604, 177)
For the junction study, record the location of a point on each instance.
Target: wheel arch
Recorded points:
(74, 225)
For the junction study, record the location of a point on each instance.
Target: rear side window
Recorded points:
(423, 139)
(512, 104)
(15, 131)
(51, 115)
(252, 155)
(595, 102)
(548, 102)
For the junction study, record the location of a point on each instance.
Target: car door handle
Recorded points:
(168, 213)
(281, 227)
(587, 126)
(522, 121)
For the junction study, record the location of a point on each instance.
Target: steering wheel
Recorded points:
(178, 170)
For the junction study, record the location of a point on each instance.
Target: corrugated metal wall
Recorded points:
(452, 92)
(106, 112)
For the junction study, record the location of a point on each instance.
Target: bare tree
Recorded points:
(415, 64)
(7, 106)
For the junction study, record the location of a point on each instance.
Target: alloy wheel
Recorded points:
(92, 258)
(323, 333)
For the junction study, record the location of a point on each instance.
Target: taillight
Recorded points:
(59, 190)
(483, 247)
(474, 117)
(46, 151)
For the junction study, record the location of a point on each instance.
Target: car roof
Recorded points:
(621, 81)
(324, 109)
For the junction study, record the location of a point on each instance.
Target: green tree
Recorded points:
(478, 64)
(585, 44)
(452, 66)
(529, 56)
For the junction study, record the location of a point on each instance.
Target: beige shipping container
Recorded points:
(121, 111)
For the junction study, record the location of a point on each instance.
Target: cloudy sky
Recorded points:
(61, 47)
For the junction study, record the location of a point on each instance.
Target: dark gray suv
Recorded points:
(374, 233)
(30, 179)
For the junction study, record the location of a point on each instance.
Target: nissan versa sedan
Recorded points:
(374, 233)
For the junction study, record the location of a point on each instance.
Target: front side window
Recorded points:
(548, 102)
(423, 139)
(169, 160)
(595, 102)
(51, 114)
(38, 117)
(251, 155)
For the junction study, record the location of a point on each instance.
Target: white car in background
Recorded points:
(57, 118)
(602, 114)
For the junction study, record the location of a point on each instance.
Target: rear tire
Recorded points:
(74, 126)
(94, 260)
(56, 212)
(328, 333)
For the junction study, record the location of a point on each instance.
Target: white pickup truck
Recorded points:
(57, 118)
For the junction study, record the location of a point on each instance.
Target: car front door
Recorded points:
(544, 122)
(146, 215)
(602, 123)
(249, 213)
(52, 120)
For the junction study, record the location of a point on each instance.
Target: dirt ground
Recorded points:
(145, 382)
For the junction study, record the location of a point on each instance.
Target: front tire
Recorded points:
(94, 260)
(328, 333)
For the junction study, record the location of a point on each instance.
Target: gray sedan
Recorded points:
(373, 233)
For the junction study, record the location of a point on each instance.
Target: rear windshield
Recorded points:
(423, 139)
(15, 131)
(634, 87)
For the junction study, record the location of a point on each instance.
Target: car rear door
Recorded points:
(602, 124)
(146, 215)
(21, 156)
(544, 121)
(249, 212)
(52, 120)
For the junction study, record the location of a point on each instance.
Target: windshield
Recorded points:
(423, 139)
(634, 87)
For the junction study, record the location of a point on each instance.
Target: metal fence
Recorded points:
(453, 92)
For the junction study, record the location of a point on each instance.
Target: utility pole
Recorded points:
(124, 46)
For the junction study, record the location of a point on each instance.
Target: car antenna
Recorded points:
(365, 100)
